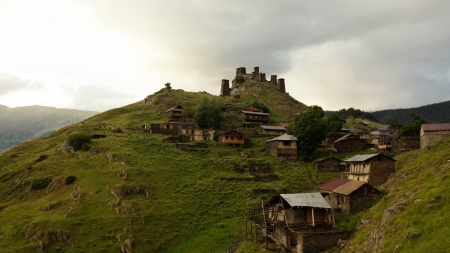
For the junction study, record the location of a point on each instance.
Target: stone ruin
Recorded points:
(225, 89)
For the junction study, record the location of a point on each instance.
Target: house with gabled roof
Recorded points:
(233, 138)
(349, 196)
(349, 143)
(250, 116)
(272, 130)
(432, 133)
(300, 222)
(283, 147)
(372, 168)
(174, 112)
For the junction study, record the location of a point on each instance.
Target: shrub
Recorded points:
(40, 183)
(70, 180)
(78, 140)
(240, 79)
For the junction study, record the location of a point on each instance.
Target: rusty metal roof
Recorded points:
(332, 184)
(267, 127)
(436, 127)
(284, 137)
(349, 187)
(313, 199)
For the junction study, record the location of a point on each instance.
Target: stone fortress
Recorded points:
(225, 89)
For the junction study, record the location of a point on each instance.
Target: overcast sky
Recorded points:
(99, 55)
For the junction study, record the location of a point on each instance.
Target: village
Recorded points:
(302, 221)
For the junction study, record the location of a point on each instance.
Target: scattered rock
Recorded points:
(110, 157)
(41, 158)
(374, 239)
(363, 224)
(417, 201)
(51, 206)
(391, 212)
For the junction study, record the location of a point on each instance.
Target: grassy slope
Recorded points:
(421, 188)
(187, 209)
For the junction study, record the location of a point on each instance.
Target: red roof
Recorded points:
(284, 124)
(332, 184)
(436, 127)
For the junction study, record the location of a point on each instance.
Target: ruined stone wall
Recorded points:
(255, 72)
(381, 168)
(409, 143)
(319, 242)
(240, 71)
(329, 165)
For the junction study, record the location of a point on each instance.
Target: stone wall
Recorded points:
(381, 167)
(318, 242)
(328, 165)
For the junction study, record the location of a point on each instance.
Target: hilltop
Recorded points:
(134, 191)
(26, 123)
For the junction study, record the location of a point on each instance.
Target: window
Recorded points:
(286, 143)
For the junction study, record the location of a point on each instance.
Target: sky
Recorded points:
(104, 54)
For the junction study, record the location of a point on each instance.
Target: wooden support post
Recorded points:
(312, 210)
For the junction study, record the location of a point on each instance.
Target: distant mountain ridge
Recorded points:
(434, 113)
(33, 122)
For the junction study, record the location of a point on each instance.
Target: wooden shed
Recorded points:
(300, 222)
(272, 130)
(249, 116)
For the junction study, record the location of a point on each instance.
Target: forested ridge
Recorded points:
(434, 113)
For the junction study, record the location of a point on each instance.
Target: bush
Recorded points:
(240, 79)
(40, 183)
(70, 180)
(78, 140)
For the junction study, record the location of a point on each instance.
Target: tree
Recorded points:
(334, 122)
(310, 129)
(207, 113)
(168, 86)
(392, 121)
(412, 129)
(79, 141)
(261, 106)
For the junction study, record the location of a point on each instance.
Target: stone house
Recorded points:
(272, 130)
(332, 137)
(233, 138)
(175, 112)
(300, 222)
(379, 134)
(374, 168)
(349, 196)
(364, 135)
(432, 133)
(283, 147)
(199, 134)
(349, 143)
(249, 116)
(329, 164)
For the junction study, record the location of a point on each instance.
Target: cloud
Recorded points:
(10, 84)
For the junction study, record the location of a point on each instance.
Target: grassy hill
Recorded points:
(32, 122)
(150, 197)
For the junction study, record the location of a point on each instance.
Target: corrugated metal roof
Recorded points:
(332, 184)
(347, 137)
(349, 187)
(436, 127)
(257, 113)
(360, 158)
(284, 137)
(313, 199)
(267, 127)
